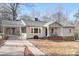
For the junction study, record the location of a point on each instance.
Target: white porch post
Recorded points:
(61, 31)
(26, 32)
(10, 32)
(48, 33)
(20, 32)
(3, 32)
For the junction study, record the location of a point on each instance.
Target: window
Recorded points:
(31, 30)
(69, 30)
(23, 29)
(35, 30)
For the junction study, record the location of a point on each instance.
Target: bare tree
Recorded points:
(25, 17)
(35, 13)
(59, 15)
(13, 8)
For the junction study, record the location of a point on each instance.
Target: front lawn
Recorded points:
(57, 48)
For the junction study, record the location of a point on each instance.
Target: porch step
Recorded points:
(14, 37)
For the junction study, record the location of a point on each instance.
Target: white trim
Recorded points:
(48, 33)
(23, 22)
(49, 23)
(61, 31)
(30, 30)
(38, 30)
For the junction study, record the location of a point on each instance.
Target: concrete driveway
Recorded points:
(12, 48)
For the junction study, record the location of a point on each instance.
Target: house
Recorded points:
(42, 29)
(35, 28)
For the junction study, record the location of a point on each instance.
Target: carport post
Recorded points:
(26, 32)
(47, 31)
(20, 32)
(3, 32)
(61, 31)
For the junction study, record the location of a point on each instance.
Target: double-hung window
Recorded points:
(31, 30)
(36, 30)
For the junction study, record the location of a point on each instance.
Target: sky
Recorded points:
(68, 8)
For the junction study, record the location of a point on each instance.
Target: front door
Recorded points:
(46, 31)
(52, 30)
(13, 31)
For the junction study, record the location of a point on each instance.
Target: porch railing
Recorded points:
(53, 35)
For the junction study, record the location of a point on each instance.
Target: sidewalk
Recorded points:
(33, 49)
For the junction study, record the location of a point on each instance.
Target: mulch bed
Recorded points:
(55, 38)
(27, 52)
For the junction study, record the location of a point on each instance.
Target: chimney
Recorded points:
(36, 19)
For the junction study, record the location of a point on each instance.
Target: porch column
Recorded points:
(61, 31)
(3, 32)
(20, 32)
(48, 33)
(26, 32)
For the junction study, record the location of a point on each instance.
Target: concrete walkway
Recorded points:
(33, 49)
(16, 48)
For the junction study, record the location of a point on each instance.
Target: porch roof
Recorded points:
(63, 24)
(7, 23)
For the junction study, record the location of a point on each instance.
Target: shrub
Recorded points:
(70, 38)
(54, 35)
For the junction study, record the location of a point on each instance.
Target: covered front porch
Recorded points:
(15, 32)
(14, 29)
(54, 28)
(54, 31)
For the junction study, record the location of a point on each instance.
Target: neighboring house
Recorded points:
(31, 28)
